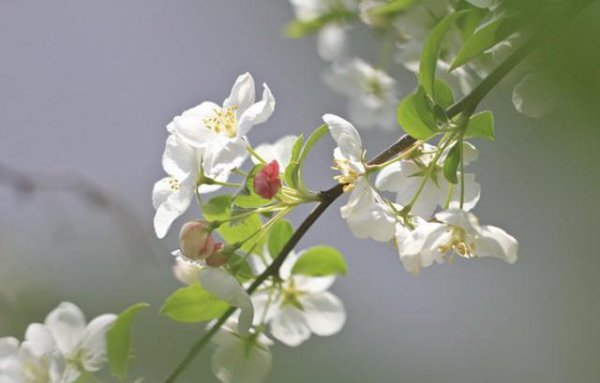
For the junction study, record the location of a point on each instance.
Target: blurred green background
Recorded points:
(89, 86)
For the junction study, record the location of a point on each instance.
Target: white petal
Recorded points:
(237, 362)
(190, 125)
(66, 323)
(257, 113)
(186, 272)
(219, 160)
(10, 365)
(421, 247)
(94, 342)
(495, 242)
(324, 313)
(472, 193)
(332, 42)
(161, 191)
(460, 218)
(280, 151)
(179, 159)
(346, 137)
(242, 93)
(313, 284)
(290, 326)
(40, 339)
(226, 287)
(175, 205)
(535, 95)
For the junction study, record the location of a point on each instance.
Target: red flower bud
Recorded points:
(266, 181)
(195, 241)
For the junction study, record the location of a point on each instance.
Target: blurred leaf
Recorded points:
(393, 6)
(451, 163)
(281, 232)
(193, 304)
(431, 49)
(415, 115)
(118, 341)
(481, 125)
(320, 261)
(314, 137)
(443, 94)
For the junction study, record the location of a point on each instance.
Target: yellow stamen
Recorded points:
(223, 121)
(460, 243)
(348, 174)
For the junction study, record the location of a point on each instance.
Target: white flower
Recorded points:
(221, 130)
(372, 92)
(40, 359)
(366, 213)
(186, 272)
(406, 176)
(185, 166)
(82, 345)
(304, 306)
(458, 233)
(280, 151)
(10, 366)
(241, 358)
(536, 95)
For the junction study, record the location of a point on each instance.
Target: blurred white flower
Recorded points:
(40, 359)
(372, 92)
(241, 358)
(536, 95)
(221, 130)
(457, 232)
(186, 272)
(82, 345)
(366, 213)
(186, 166)
(10, 366)
(280, 151)
(405, 178)
(303, 306)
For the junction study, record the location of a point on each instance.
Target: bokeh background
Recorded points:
(87, 87)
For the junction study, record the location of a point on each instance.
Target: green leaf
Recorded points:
(193, 304)
(415, 115)
(246, 197)
(281, 232)
(431, 51)
(118, 340)
(443, 94)
(451, 163)
(319, 261)
(314, 137)
(486, 37)
(393, 6)
(481, 125)
(219, 208)
(290, 175)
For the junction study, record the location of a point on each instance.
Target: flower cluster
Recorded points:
(403, 28)
(60, 350)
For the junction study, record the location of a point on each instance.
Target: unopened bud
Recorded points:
(219, 257)
(195, 241)
(267, 182)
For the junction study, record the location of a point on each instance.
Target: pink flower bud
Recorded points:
(266, 181)
(218, 258)
(195, 241)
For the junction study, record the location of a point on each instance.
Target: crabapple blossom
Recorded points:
(457, 232)
(195, 240)
(267, 182)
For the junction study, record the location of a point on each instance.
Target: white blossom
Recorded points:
(241, 358)
(366, 213)
(280, 151)
(535, 95)
(303, 306)
(457, 232)
(372, 92)
(406, 176)
(10, 366)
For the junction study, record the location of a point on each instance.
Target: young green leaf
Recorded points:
(481, 125)
(310, 143)
(415, 115)
(431, 51)
(278, 236)
(193, 304)
(443, 94)
(118, 341)
(393, 6)
(451, 163)
(320, 261)
(290, 176)
(485, 38)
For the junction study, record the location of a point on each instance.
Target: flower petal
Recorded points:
(346, 137)
(238, 362)
(332, 43)
(66, 323)
(94, 342)
(495, 242)
(324, 313)
(174, 206)
(179, 159)
(242, 93)
(472, 193)
(280, 151)
(161, 191)
(257, 113)
(40, 340)
(190, 125)
(290, 327)
(421, 247)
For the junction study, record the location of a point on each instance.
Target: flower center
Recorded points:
(174, 185)
(348, 174)
(460, 243)
(224, 120)
(291, 296)
(36, 372)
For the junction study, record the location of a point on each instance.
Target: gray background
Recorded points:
(88, 86)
